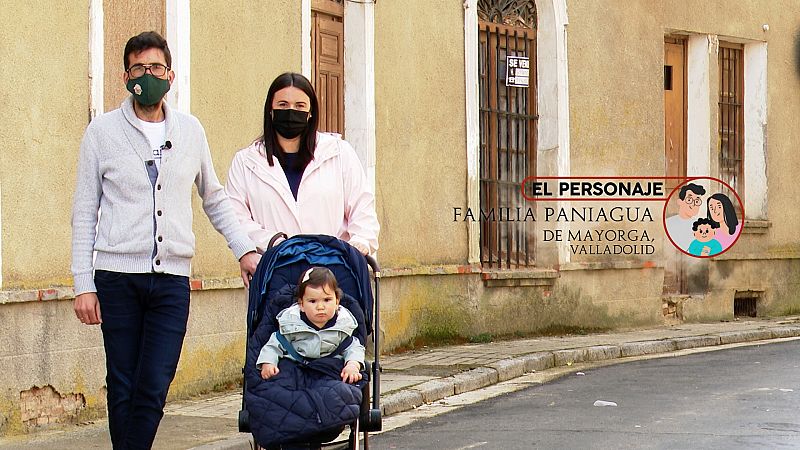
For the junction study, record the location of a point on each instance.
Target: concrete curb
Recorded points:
(696, 341)
(436, 389)
(475, 379)
(507, 369)
(400, 401)
(734, 337)
(511, 368)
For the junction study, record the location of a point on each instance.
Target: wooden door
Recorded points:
(327, 54)
(674, 151)
(674, 110)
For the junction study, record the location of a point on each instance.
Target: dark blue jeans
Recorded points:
(144, 322)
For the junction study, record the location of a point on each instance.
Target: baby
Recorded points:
(315, 326)
(704, 243)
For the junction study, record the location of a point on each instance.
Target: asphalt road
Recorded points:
(746, 397)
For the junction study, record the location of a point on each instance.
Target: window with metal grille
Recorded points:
(507, 132)
(745, 303)
(731, 117)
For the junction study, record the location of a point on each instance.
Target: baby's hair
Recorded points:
(704, 221)
(318, 277)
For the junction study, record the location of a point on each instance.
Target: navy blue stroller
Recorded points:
(305, 405)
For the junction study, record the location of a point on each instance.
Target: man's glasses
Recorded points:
(696, 201)
(138, 70)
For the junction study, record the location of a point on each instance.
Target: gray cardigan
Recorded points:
(112, 177)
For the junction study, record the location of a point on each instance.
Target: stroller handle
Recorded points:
(374, 264)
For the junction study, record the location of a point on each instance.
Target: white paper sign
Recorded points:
(517, 71)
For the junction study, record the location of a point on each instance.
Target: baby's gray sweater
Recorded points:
(112, 177)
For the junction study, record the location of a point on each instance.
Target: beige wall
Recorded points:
(44, 111)
(438, 308)
(421, 134)
(615, 88)
(237, 50)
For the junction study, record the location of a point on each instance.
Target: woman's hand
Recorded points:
(351, 372)
(268, 370)
(360, 247)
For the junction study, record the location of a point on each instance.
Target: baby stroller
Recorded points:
(301, 409)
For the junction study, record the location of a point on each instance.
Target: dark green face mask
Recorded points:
(147, 89)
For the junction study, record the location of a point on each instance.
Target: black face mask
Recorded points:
(289, 123)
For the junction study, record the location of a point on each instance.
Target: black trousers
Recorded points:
(144, 322)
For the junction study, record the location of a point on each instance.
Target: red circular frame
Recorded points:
(677, 188)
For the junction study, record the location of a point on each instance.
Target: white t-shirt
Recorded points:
(680, 230)
(156, 133)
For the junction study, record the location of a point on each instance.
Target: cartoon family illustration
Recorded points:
(704, 236)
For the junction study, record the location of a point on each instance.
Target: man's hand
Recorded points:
(351, 372)
(248, 265)
(87, 308)
(268, 370)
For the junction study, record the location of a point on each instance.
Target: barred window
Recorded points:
(507, 131)
(731, 117)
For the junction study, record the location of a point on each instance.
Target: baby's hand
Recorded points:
(268, 370)
(351, 373)
(706, 251)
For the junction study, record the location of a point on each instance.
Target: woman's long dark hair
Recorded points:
(729, 213)
(308, 140)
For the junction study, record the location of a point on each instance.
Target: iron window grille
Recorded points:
(508, 123)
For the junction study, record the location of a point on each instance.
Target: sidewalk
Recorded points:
(427, 375)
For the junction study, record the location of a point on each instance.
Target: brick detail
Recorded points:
(44, 406)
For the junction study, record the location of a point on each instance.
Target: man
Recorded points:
(679, 226)
(137, 165)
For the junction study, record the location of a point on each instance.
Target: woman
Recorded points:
(296, 180)
(721, 211)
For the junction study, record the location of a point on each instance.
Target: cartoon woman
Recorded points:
(720, 210)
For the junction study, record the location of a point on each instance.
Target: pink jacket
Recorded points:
(334, 197)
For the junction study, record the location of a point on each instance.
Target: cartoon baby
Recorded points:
(704, 243)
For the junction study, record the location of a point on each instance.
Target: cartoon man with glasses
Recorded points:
(679, 226)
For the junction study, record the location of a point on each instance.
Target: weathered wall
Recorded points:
(777, 281)
(745, 20)
(237, 50)
(214, 348)
(44, 345)
(616, 113)
(436, 308)
(44, 112)
(421, 138)
(616, 88)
